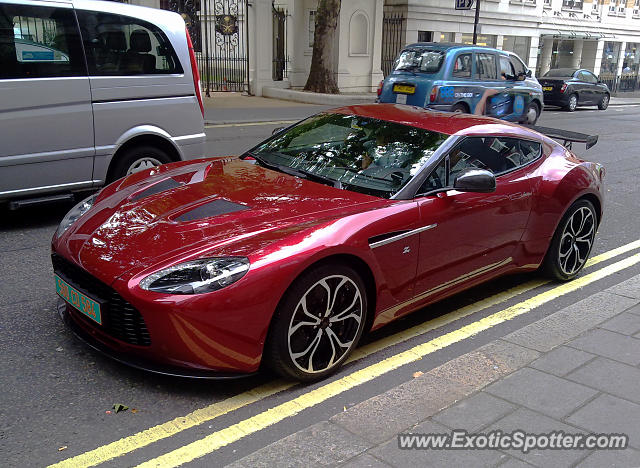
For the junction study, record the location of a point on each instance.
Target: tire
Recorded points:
(299, 345)
(604, 102)
(572, 242)
(573, 103)
(459, 108)
(138, 158)
(531, 114)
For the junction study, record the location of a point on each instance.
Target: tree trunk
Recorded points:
(322, 78)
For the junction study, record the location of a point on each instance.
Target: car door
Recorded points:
(596, 90)
(46, 120)
(473, 235)
(586, 90)
(486, 65)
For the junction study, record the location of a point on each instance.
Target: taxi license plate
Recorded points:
(547, 88)
(83, 303)
(404, 89)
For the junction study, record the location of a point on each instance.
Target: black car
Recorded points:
(573, 87)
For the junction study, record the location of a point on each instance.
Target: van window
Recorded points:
(39, 42)
(462, 66)
(486, 66)
(121, 45)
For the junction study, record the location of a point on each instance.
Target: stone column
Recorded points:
(598, 61)
(623, 48)
(499, 41)
(376, 49)
(260, 24)
(576, 60)
(545, 56)
(532, 59)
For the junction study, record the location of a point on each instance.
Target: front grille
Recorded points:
(121, 320)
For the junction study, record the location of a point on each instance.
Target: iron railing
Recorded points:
(392, 39)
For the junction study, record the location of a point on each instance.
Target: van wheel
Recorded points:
(138, 158)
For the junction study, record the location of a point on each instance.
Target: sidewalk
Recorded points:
(576, 370)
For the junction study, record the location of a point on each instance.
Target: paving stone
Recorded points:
(628, 458)
(542, 392)
(381, 417)
(628, 288)
(609, 344)
(634, 310)
(611, 377)
(395, 456)
(365, 461)
(321, 444)
(562, 360)
(514, 463)
(610, 414)
(474, 412)
(625, 323)
(536, 423)
(564, 325)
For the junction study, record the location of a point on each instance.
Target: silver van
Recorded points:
(91, 91)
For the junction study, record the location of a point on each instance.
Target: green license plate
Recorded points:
(547, 88)
(404, 89)
(83, 303)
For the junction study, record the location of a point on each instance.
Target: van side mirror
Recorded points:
(475, 180)
(529, 74)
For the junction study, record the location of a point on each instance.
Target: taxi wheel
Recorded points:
(531, 114)
(459, 108)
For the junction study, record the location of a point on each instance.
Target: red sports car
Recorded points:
(330, 228)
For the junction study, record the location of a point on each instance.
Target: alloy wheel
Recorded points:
(576, 241)
(573, 102)
(142, 164)
(325, 324)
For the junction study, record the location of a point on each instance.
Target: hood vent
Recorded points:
(161, 186)
(211, 209)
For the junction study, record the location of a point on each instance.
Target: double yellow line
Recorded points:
(290, 408)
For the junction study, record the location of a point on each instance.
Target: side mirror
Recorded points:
(529, 74)
(521, 77)
(475, 180)
(278, 130)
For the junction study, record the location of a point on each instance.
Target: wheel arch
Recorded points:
(155, 139)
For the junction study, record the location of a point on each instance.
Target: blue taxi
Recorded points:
(464, 78)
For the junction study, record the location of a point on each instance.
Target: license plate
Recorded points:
(404, 89)
(401, 98)
(547, 88)
(83, 303)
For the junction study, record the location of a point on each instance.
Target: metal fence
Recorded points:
(393, 32)
(621, 83)
(280, 58)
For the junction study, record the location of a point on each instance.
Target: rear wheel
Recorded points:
(573, 103)
(604, 102)
(138, 158)
(572, 242)
(318, 323)
(459, 108)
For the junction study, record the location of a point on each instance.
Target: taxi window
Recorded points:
(462, 66)
(506, 68)
(486, 66)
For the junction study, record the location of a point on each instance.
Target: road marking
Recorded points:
(141, 439)
(292, 407)
(251, 124)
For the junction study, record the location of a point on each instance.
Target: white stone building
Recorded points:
(603, 37)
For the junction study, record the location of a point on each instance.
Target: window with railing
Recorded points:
(547, 3)
(636, 9)
(595, 5)
(572, 5)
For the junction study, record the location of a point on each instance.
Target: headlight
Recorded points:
(74, 214)
(197, 276)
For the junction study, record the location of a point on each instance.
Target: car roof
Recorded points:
(447, 123)
(449, 45)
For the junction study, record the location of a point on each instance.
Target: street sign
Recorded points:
(463, 4)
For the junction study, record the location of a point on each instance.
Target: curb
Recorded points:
(318, 98)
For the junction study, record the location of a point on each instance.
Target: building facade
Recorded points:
(269, 43)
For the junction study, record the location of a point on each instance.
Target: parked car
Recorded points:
(573, 87)
(459, 78)
(331, 228)
(91, 91)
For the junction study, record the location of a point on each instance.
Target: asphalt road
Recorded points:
(56, 394)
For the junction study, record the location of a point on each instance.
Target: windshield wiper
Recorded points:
(302, 173)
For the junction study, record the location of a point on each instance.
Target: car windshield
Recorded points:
(560, 72)
(351, 152)
(423, 60)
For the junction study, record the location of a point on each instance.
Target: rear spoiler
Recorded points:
(566, 136)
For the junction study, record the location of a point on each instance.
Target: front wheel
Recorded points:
(572, 242)
(604, 102)
(532, 114)
(318, 323)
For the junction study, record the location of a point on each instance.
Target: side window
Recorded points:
(589, 77)
(530, 151)
(518, 66)
(121, 45)
(495, 154)
(506, 68)
(462, 66)
(39, 42)
(486, 66)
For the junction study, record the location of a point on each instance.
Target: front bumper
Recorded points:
(73, 319)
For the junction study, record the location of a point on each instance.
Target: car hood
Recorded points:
(186, 210)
